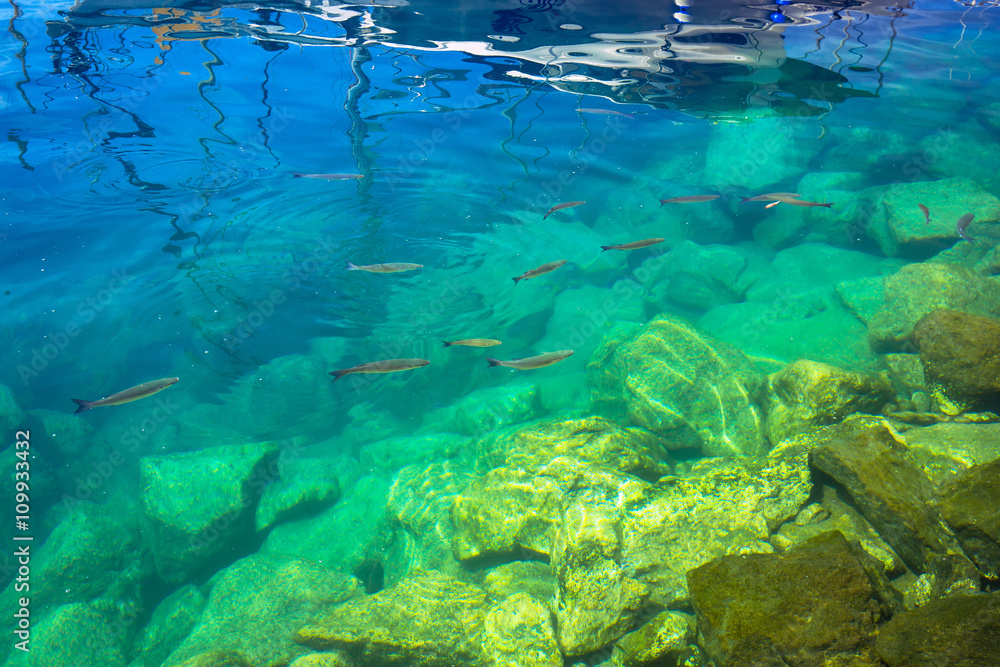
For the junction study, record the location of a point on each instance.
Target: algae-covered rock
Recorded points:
(90, 553)
(304, 487)
(905, 231)
(169, 624)
(815, 604)
(199, 504)
(256, 605)
(485, 410)
(662, 640)
(358, 520)
(72, 435)
(889, 489)
(418, 509)
(11, 415)
(702, 277)
(959, 631)
(807, 393)
(830, 513)
(596, 440)
(597, 596)
(391, 454)
(969, 504)
(681, 384)
(81, 633)
(915, 291)
(961, 352)
(426, 621)
(758, 155)
(332, 659)
(217, 659)
(528, 577)
(720, 507)
(945, 450)
(519, 632)
(512, 509)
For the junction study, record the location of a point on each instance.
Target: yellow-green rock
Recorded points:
(662, 640)
(518, 633)
(808, 393)
(590, 439)
(217, 659)
(429, 620)
(683, 385)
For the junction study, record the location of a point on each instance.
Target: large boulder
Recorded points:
(969, 504)
(961, 352)
(807, 393)
(257, 604)
(904, 229)
(427, 621)
(880, 475)
(891, 306)
(960, 630)
(185, 530)
(681, 384)
(819, 603)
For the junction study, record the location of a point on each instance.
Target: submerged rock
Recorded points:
(816, 604)
(807, 393)
(303, 487)
(257, 603)
(427, 621)
(595, 440)
(681, 384)
(944, 450)
(485, 410)
(904, 230)
(664, 639)
(891, 306)
(961, 352)
(186, 529)
(519, 632)
(81, 633)
(969, 504)
(889, 489)
(960, 630)
(171, 621)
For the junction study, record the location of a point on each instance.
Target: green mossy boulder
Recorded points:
(891, 306)
(81, 633)
(681, 384)
(171, 621)
(970, 505)
(817, 604)
(904, 229)
(663, 640)
(808, 393)
(304, 487)
(595, 440)
(256, 605)
(889, 489)
(961, 353)
(957, 631)
(944, 450)
(429, 620)
(198, 505)
(518, 632)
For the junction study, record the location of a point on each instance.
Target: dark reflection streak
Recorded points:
(819, 38)
(860, 40)
(541, 112)
(510, 113)
(836, 52)
(359, 130)
(265, 137)
(888, 51)
(202, 85)
(20, 56)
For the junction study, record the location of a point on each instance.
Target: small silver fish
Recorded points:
(771, 196)
(330, 177)
(531, 363)
(559, 207)
(692, 199)
(391, 267)
(606, 112)
(473, 342)
(634, 245)
(541, 270)
(131, 394)
(387, 366)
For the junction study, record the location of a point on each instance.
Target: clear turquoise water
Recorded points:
(151, 219)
